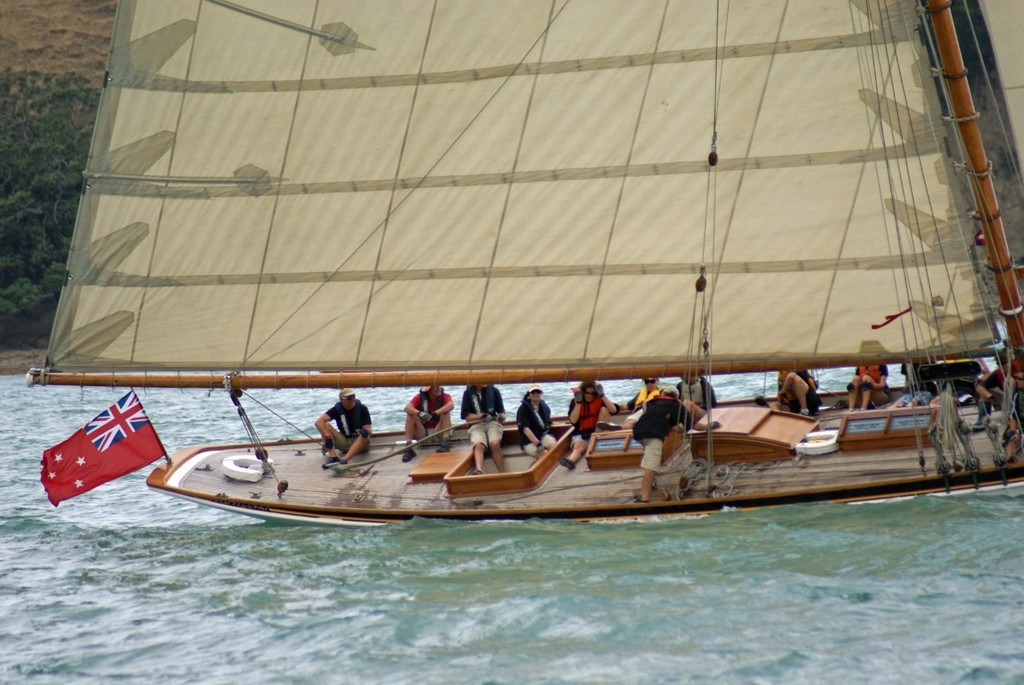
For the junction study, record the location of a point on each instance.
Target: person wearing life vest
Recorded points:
(869, 387)
(429, 410)
(662, 414)
(482, 406)
(353, 428)
(589, 410)
(636, 405)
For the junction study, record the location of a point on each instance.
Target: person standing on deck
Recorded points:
(428, 410)
(662, 414)
(589, 410)
(353, 428)
(482, 406)
(534, 421)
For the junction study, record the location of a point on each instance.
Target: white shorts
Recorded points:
(486, 433)
(653, 448)
(547, 441)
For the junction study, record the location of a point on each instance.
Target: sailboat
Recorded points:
(345, 194)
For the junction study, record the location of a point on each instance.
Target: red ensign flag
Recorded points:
(118, 441)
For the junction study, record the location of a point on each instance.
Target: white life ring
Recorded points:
(819, 442)
(243, 467)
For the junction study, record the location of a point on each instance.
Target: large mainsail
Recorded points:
(439, 184)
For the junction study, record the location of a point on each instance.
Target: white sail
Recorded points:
(434, 184)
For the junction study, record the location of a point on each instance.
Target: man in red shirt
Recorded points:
(428, 411)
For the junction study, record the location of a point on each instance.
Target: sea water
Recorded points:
(125, 585)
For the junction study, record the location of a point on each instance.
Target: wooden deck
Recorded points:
(434, 484)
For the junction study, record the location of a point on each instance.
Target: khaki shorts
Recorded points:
(652, 453)
(486, 433)
(546, 441)
(342, 443)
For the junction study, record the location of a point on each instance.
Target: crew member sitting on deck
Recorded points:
(589, 410)
(482, 406)
(353, 431)
(429, 410)
(988, 388)
(636, 405)
(869, 387)
(534, 421)
(697, 390)
(662, 414)
(798, 393)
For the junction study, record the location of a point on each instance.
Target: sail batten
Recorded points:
(514, 184)
(505, 71)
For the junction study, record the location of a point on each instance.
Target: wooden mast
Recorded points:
(987, 212)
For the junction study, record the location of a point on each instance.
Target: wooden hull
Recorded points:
(436, 485)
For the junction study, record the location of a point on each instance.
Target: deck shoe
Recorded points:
(760, 401)
(606, 426)
(804, 412)
(567, 463)
(408, 455)
(445, 447)
(474, 472)
(332, 462)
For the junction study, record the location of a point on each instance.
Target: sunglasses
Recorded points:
(536, 392)
(650, 380)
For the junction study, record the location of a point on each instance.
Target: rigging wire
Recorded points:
(1000, 116)
(913, 219)
(280, 417)
(973, 178)
(704, 349)
(408, 193)
(257, 446)
(882, 67)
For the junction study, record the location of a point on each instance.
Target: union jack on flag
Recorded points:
(116, 422)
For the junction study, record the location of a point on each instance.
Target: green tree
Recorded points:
(44, 140)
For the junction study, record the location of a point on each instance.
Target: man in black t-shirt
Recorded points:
(352, 434)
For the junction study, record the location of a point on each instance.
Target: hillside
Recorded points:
(53, 37)
(56, 36)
